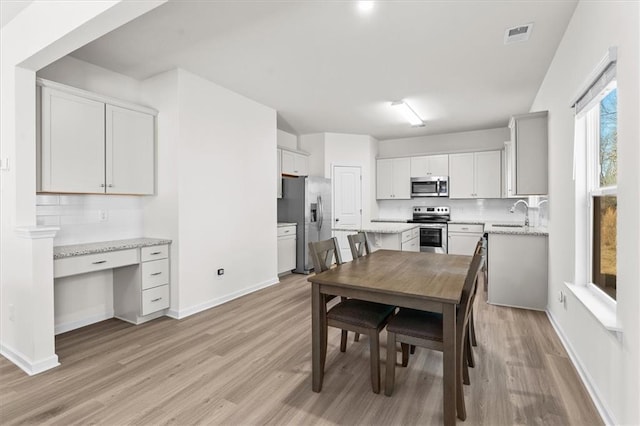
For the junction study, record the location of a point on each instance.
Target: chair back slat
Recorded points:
(468, 292)
(323, 252)
(359, 245)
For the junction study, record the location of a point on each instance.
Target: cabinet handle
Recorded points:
(156, 273)
(155, 253)
(102, 185)
(110, 185)
(99, 262)
(156, 300)
(465, 229)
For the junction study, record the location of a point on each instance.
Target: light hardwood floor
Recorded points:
(249, 362)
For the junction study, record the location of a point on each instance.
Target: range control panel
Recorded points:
(431, 210)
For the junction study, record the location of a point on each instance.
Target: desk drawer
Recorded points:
(155, 299)
(154, 253)
(94, 262)
(286, 230)
(406, 236)
(155, 273)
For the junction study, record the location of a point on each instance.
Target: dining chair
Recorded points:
(355, 315)
(471, 336)
(359, 244)
(422, 328)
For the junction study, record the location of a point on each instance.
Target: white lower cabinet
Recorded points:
(463, 238)
(408, 240)
(286, 248)
(141, 291)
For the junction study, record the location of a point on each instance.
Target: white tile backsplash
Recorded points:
(89, 218)
(488, 210)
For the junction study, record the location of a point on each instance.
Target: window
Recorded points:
(597, 115)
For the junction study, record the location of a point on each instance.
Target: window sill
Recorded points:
(599, 304)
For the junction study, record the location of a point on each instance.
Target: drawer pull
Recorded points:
(156, 273)
(155, 252)
(99, 262)
(465, 229)
(156, 299)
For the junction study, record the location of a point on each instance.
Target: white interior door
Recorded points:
(347, 203)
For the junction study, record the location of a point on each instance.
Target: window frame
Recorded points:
(591, 117)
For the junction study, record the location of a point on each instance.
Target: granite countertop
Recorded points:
(280, 224)
(60, 252)
(394, 220)
(380, 227)
(467, 222)
(491, 228)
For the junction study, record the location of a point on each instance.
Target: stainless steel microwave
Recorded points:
(431, 186)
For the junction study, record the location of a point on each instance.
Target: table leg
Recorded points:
(318, 336)
(449, 361)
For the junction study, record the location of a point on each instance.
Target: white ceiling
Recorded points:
(326, 67)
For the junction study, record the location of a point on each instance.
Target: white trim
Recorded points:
(610, 57)
(94, 96)
(183, 313)
(589, 384)
(36, 232)
(598, 303)
(72, 325)
(25, 364)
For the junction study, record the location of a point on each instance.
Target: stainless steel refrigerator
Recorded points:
(307, 202)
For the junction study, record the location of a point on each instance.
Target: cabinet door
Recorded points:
(288, 162)
(384, 179)
(461, 175)
(438, 165)
(419, 166)
(279, 174)
(286, 253)
(401, 179)
(531, 154)
(464, 244)
(488, 176)
(130, 151)
(301, 165)
(72, 143)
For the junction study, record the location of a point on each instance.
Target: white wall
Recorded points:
(477, 140)
(39, 35)
(221, 201)
(329, 149)
(611, 366)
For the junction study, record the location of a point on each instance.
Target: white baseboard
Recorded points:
(183, 313)
(28, 366)
(72, 325)
(605, 413)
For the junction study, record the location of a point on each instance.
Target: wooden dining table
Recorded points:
(426, 281)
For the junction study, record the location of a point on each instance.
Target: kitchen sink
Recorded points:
(507, 225)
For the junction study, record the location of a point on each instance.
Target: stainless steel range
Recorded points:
(433, 227)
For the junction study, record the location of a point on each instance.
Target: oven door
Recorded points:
(433, 238)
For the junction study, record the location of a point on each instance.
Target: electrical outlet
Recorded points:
(561, 296)
(103, 215)
(220, 272)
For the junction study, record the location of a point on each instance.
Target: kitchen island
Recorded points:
(381, 235)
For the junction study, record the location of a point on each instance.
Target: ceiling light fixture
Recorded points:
(365, 6)
(409, 114)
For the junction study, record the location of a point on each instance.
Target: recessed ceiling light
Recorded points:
(365, 6)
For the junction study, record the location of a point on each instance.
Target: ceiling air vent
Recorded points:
(519, 33)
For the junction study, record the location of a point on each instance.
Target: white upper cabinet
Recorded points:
(430, 165)
(393, 179)
(294, 163)
(72, 156)
(527, 165)
(475, 175)
(90, 145)
(130, 151)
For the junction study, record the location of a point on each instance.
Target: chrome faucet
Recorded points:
(526, 210)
